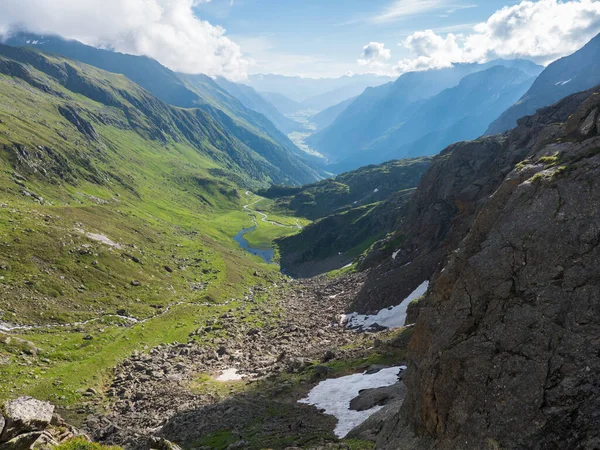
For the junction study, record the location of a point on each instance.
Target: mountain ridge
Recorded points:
(499, 321)
(415, 126)
(252, 128)
(570, 74)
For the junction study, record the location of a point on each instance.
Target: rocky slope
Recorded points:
(505, 349)
(446, 202)
(174, 391)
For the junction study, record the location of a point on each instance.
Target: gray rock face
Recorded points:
(456, 187)
(369, 398)
(371, 428)
(25, 415)
(440, 212)
(25, 441)
(505, 352)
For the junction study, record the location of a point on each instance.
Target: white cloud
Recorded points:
(374, 54)
(166, 30)
(542, 31)
(403, 8)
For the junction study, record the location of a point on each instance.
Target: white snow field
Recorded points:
(392, 317)
(334, 396)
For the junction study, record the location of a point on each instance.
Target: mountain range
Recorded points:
(252, 128)
(256, 102)
(573, 73)
(383, 121)
(301, 89)
(293, 94)
(141, 211)
(66, 87)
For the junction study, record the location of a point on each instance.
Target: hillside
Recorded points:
(354, 210)
(369, 184)
(200, 91)
(326, 117)
(359, 132)
(573, 73)
(255, 102)
(116, 209)
(283, 104)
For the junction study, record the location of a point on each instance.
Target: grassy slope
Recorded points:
(351, 212)
(187, 91)
(168, 201)
(278, 223)
(359, 187)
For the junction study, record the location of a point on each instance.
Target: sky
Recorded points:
(326, 37)
(315, 38)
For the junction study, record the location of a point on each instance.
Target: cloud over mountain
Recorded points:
(541, 31)
(166, 30)
(374, 53)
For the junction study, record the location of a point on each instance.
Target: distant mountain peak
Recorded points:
(577, 72)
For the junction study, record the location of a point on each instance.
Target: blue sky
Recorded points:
(233, 38)
(326, 37)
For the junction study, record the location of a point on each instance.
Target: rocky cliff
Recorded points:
(505, 349)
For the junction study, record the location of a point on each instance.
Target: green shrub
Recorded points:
(82, 444)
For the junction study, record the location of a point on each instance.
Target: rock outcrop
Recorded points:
(460, 181)
(27, 423)
(505, 351)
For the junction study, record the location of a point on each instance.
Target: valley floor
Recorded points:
(242, 385)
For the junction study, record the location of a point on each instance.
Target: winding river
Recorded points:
(267, 254)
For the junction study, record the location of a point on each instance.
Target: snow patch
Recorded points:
(229, 375)
(100, 238)
(396, 253)
(392, 317)
(562, 83)
(376, 190)
(334, 396)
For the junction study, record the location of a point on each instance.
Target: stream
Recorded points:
(266, 254)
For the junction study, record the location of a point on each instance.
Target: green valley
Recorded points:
(116, 223)
(351, 212)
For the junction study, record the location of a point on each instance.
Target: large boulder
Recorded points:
(370, 398)
(25, 415)
(24, 441)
